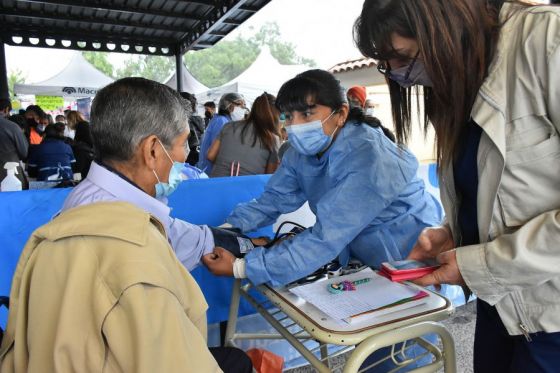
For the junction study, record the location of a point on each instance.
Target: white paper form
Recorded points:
(376, 293)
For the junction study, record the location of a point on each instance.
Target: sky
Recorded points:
(319, 29)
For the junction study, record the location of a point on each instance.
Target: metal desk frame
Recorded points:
(295, 326)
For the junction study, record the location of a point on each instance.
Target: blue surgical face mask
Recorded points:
(412, 74)
(174, 179)
(309, 138)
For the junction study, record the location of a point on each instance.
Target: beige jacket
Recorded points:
(517, 265)
(99, 289)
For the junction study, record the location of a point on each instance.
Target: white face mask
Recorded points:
(369, 112)
(238, 113)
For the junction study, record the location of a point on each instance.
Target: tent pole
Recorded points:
(4, 92)
(179, 70)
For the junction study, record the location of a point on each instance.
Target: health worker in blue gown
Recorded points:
(360, 184)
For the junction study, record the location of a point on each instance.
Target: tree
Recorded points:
(223, 62)
(15, 77)
(100, 61)
(285, 53)
(229, 58)
(156, 68)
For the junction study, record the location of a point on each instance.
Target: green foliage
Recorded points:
(221, 63)
(212, 66)
(100, 61)
(157, 68)
(15, 77)
(229, 58)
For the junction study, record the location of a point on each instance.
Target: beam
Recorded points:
(98, 5)
(221, 14)
(24, 13)
(4, 91)
(179, 70)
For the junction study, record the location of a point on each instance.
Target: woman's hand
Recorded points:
(219, 262)
(448, 273)
(431, 242)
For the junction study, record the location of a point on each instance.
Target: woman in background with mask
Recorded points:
(362, 187)
(248, 147)
(230, 108)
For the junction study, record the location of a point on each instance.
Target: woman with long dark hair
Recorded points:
(250, 146)
(488, 71)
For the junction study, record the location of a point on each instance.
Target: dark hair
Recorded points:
(5, 103)
(320, 87)
(190, 98)
(19, 120)
(36, 109)
(210, 104)
(456, 39)
(263, 120)
(83, 133)
(55, 131)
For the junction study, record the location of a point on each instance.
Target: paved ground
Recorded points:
(461, 325)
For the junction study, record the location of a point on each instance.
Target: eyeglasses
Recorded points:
(384, 68)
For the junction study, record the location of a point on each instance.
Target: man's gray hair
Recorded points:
(127, 111)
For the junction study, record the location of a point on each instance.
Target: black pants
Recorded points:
(495, 351)
(232, 360)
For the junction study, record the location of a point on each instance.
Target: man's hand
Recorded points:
(219, 262)
(431, 242)
(448, 273)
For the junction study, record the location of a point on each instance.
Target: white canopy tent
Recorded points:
(78, 79)
(190, 83)
(266, 74)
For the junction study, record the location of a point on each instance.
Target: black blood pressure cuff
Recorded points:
(232, 240)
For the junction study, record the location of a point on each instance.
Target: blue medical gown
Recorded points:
(367, 199)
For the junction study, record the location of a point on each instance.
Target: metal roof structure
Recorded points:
(152, 27)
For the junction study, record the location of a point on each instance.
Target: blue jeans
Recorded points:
(496, 351)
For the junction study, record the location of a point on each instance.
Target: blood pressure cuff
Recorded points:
(232, 240)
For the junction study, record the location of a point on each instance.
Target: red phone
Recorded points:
(402, 270)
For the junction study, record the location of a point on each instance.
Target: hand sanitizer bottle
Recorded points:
(10, 183)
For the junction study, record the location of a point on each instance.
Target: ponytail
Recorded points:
(357, 114)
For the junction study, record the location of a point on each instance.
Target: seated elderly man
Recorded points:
(99, 288)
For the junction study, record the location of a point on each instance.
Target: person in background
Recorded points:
(33, 115)
(13, 145)
(488, 71)
(82, 147)
(19, 120)
(196, 126)
(52, 159)
(249, 146)
(5, 107)
(369, 108)
(356, 96)
(72, 119)
(49, 119)
(60, 119)
(231, 107)
(209, 111)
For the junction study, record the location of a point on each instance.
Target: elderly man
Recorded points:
(112, 295)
